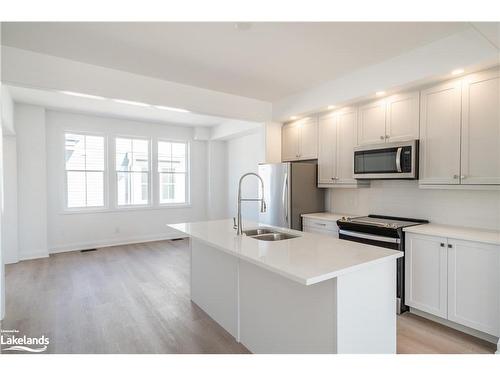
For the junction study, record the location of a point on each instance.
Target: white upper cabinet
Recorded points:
(300, 139)
(402, 117)
(290, 141)
(480, 157)
(440, 134)
(393, 119)
(460, 131)
(308, 145)
(337, 138)
(327, 148)
(346, 135)
(371, 126)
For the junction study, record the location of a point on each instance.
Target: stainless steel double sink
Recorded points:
(268, 234)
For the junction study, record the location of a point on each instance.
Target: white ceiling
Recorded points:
(57, 100)
(268, 61)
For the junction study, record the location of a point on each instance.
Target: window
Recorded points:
(172, 170)
(132, 171)
(84, 156)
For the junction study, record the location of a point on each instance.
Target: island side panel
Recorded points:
(278, 315)
(366, 310)
(214, 284)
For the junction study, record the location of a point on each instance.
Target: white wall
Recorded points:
(217, 180)
(472, 208)
(2, 226)
(7, 111)
(2, 270)
(86, 230)
(10, 241)
(244, 154)
(32, 181)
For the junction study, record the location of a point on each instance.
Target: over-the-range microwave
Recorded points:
(396, 160)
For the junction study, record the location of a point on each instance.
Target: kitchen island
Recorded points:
(308, 294)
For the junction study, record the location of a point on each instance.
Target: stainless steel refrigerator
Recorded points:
(290, 190)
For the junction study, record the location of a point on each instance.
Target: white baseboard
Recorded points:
(458, 327)
(34, 255)
(112, 242)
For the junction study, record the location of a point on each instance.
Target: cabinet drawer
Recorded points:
(332, 233)
(320, 224)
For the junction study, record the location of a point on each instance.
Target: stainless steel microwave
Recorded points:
(397, 160)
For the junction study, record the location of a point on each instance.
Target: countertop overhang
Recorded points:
(308, 259)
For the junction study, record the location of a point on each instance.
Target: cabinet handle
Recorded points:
(463, 177)
(441, 244)
(387, 137)
(450, 246)
(455, 176)
(382, 137)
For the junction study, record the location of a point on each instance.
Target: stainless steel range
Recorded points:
(383, 231)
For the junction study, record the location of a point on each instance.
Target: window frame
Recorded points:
(105, 187)
(110, 186)
(124, 207)
(187, 203)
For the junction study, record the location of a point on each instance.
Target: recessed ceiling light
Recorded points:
(293, 117)
(331, 107)
(457, 72)
(380, 93)
(173, 109)
(79, 94)
(122, 101)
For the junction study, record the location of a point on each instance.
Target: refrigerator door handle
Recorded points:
(284, 199)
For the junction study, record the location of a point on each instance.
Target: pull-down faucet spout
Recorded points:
(263, 207)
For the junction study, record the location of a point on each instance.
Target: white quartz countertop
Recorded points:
(328, 216)
(308, 259)
(459, 233)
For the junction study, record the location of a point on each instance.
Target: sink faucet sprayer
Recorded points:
(238, 226)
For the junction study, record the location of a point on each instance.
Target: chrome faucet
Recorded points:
(238, 226)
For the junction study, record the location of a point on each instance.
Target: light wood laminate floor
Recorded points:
(135, 299)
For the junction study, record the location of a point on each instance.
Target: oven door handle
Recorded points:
(398, 159)
(369, 236)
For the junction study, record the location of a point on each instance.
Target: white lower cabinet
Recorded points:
(327, 227)
(454, 279)
(425, 273)
(473, 285)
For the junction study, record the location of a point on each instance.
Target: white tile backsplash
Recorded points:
(473, 208)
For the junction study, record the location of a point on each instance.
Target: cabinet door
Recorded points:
(327, 149)
(371, 127)
(426, 273)
(440, 134)
(474, 285)
(346, 139)
(481, 128)
(402, 117)
(290, 141)
(308, 136)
